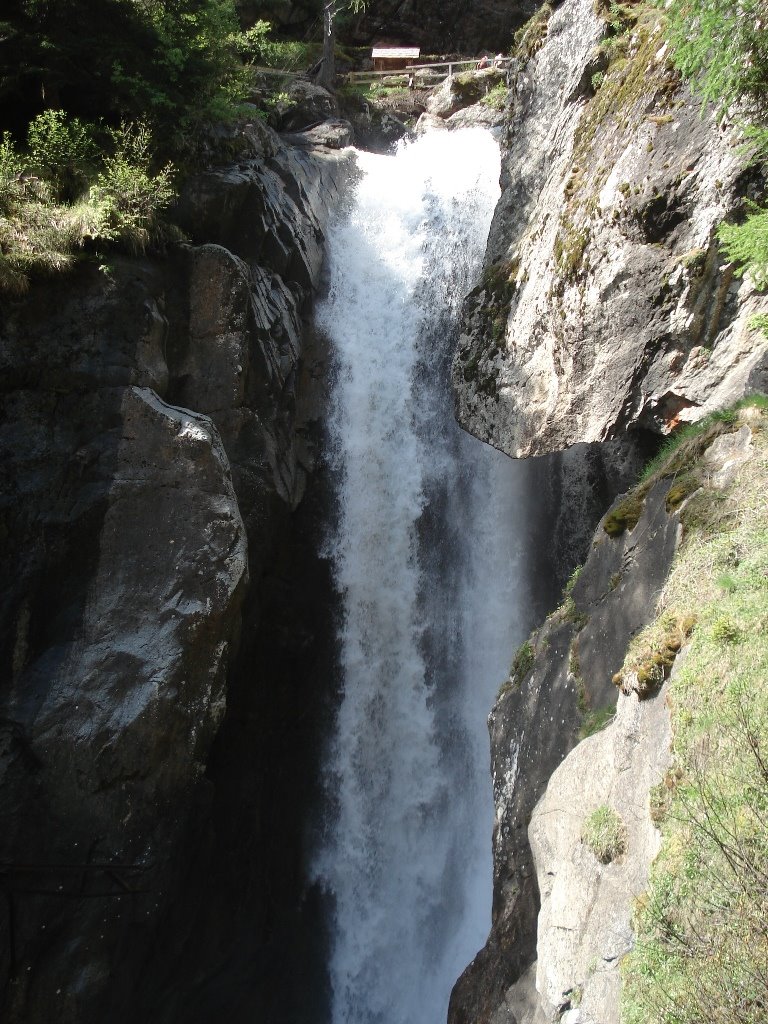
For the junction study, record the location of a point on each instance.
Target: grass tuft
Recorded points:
(605, 834)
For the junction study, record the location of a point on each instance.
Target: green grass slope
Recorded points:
(702, 927)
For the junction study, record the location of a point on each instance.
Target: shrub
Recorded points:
(128, 196)
(605, 834)
(721, 47)
(61, 148)
(725, 630)
(174, 64)
(747, 244)
(11, 167)
(255, 46)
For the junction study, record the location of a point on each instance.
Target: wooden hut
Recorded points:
(394, 58)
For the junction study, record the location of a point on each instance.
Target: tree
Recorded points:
(332, 8)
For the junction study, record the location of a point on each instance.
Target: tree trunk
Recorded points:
(327, 71)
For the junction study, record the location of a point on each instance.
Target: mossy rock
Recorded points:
(653, 654)
(531, 36)
(625, 516)
(681, 490)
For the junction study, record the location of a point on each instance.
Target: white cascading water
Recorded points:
(425, 562)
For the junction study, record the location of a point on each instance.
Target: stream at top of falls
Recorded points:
(426, 555)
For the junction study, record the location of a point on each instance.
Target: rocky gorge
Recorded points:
(164, 615)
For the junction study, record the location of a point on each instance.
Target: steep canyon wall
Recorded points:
(151, 462)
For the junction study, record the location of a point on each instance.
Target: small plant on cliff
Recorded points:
(747, 244)
(595, 721)
(625, 516)
(759, 322)
(721, 47)
(62, 149)
(522, 661)
(496, 97)
(520, 667)
(605, 834)
(128, 195)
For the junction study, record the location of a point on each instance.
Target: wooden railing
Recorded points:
(364, 76)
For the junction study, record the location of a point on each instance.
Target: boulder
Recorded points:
(462, 90)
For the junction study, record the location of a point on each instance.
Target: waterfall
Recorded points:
(426, 563)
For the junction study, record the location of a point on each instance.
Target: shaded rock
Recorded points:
(621, 580)
(269, 210)
(211, 374)
(578, 908)
(535, 723)
(148, 421)
(305, 106)
(127, 559)
(332, 134)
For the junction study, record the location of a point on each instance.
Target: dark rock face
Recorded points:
(150, 467)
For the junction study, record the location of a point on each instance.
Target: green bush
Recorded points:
(11, 167)
(721, 47)
(128, 196)
(173, 63)
(61, 149)
(256, 46)
(747, 244)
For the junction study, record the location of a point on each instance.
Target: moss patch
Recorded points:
(530, 38)
(626, 515)
(652, 654)
(522, 663)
